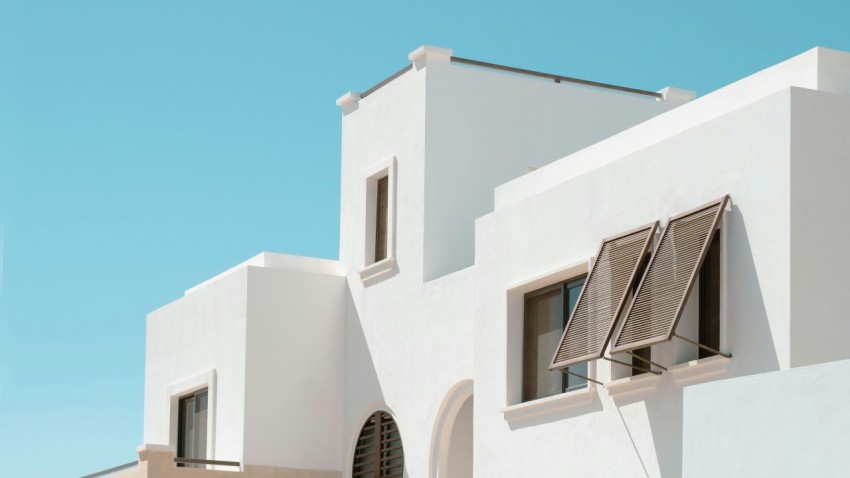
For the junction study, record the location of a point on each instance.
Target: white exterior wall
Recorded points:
(789, 423)
(454, 133)
(196, 341)
(294, 374)
(820, 195)
(484, 127)
(304, 350)
(267, 336)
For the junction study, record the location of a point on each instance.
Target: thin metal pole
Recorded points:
(582, 376)
(633, 366)
(702, 346)
(647, 361)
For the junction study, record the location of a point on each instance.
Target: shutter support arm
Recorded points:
(647, 360)
(563, 370)
(706, 347)
(642, 369)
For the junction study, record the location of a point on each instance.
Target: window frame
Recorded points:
(195, 396)
(373, 270)
(204, 380)
(562, 286)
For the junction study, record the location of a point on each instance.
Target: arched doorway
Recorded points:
(452, 442)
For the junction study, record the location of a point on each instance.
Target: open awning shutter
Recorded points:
(601, 300)
(670, 275)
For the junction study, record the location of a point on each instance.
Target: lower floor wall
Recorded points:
(787, 423)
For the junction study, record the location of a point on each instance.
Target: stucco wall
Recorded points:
(197, 337)
(294, 369)
(638, 432)
(788, 423)
(484, 127)
(820, 165)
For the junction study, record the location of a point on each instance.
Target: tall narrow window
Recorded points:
(381, 216)
(546, 314)
(709, 299)
(378, 452)
(192, 429)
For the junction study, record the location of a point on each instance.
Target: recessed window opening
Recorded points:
(192, 428)
(378, 452)
(381, 218)
(546, 314)
(709, 299)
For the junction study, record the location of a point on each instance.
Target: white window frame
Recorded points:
(180, 389)
(515, 322)
(374, 271)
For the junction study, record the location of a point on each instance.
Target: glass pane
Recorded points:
(201, 426)
(544, 324)
(187, 430)
(571, 381)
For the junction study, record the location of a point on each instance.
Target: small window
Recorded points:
(192, 429)
(381, 217)
(546, 314)
(378, 453)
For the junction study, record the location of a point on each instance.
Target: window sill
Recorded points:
(699, 369)
(377, 271)
(549, 405)
(632, 384)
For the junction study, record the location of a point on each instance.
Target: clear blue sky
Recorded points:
(146, 146)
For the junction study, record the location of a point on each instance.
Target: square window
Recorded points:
(546, 313)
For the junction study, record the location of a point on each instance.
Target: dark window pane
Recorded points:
(192, 427)
(382, 210)
(201, 426)
(544, 324)
(646, 353)
(709, 299)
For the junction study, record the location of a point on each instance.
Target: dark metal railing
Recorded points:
(556, 78)
(199, 461)
(522, 71)
(389, 79)
(113, 469)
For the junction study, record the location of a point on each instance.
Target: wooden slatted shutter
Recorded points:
(657, 307)
(592, 322)
(379, 453)
(382, 212)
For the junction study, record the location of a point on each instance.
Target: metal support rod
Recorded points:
(200, 461)
(642, 369)
(581, 376)
(702, 346)
(647, 361)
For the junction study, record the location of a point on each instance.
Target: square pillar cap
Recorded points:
(678, 95)
(425, 53)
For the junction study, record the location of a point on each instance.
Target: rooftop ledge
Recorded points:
(279, 261)
(818, 69)
(422, 56)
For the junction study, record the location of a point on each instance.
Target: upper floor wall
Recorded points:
(456, 129)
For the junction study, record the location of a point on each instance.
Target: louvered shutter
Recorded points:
(657, 307)
(378, 452)
(592, 322)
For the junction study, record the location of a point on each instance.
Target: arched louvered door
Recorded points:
(378, 452)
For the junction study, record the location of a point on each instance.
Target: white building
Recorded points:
(485, 194)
